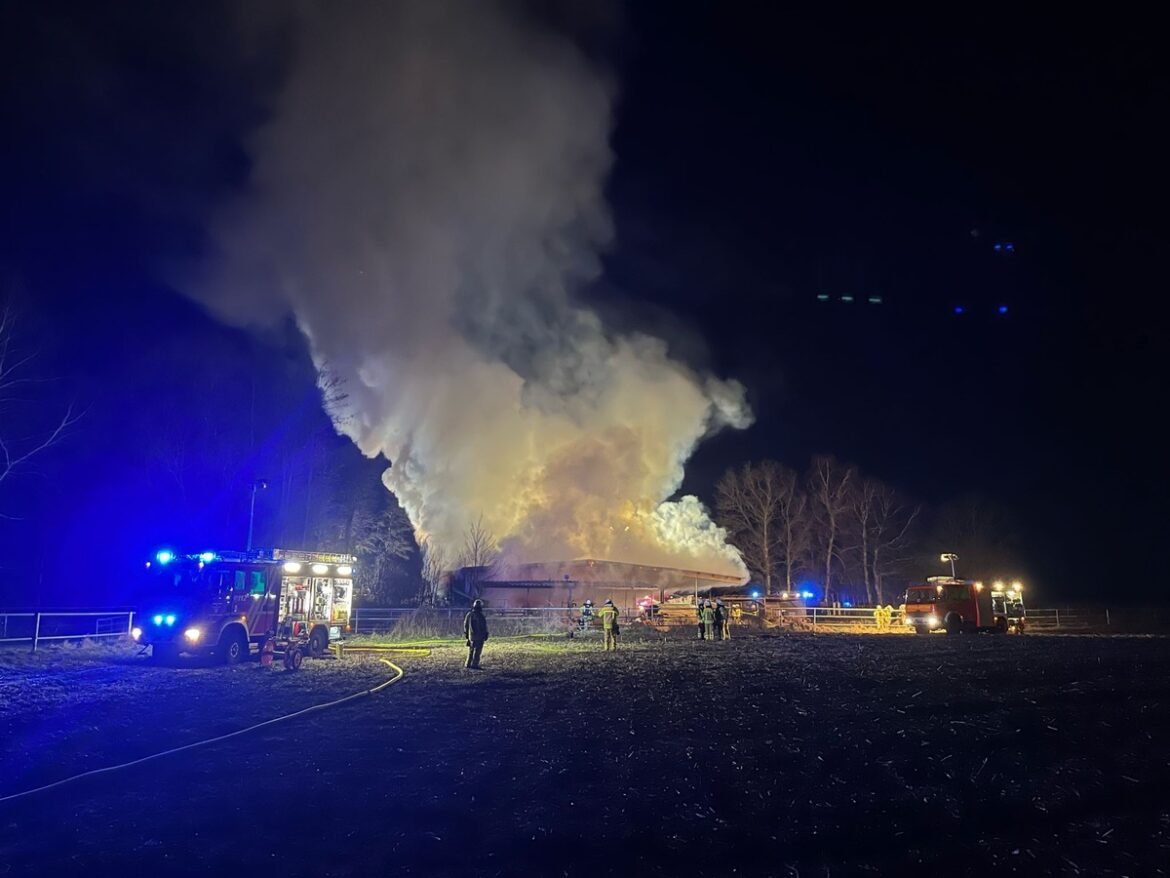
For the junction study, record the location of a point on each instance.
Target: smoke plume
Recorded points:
(427, 201)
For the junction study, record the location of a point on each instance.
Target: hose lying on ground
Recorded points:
(365, 693)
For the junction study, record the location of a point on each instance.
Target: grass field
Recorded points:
(773, 755)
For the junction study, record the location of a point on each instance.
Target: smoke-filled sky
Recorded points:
(428, 201)
(484, 261)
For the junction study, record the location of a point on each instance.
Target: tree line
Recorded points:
(853, 536)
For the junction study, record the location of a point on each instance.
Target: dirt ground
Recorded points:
(774, 755)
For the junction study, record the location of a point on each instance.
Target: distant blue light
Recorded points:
(959, 309)
(846, 298)
(822, 297)
(847, 604)
(806, 594)
(207, 557)
(1009, 247)
(158, 620)
(1002, 309)
(165, 556)
(997, 247)
(755, 594)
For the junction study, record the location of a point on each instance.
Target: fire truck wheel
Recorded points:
(954, 624)
(294, 658)
(233, 646)
(318, 642)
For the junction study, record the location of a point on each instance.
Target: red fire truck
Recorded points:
(959, 606)
(223, 602)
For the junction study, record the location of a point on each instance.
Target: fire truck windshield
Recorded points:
(922, 595)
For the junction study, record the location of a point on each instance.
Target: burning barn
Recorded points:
(571, 583)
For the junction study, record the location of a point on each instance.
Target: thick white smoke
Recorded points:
(426, 200)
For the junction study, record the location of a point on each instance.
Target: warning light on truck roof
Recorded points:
(165, 556)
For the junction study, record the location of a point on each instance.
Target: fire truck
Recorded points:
(962, 606)
(221, 603)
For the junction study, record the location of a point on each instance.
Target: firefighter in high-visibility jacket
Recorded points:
(609, 625)
(709, 621)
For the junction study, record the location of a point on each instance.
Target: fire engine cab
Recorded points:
(223, 602)
(960, 606)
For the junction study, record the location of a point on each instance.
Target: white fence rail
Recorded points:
(48, 626)
(1043, 619)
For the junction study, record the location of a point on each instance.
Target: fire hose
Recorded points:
(365, 693)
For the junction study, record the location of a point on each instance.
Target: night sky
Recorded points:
(763, 158)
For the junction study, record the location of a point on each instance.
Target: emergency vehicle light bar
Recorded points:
(312, 557)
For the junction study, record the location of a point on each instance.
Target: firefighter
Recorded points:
(609, 624)
(709, 621)
(586, 614)
(719, 614)
(879, 616)
(889, 616)
(736, 614)
(699, 612)
(726, 612)
(475, 632)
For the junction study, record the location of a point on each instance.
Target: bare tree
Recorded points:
(762, 508)
(881, 523)
(892, 545)
(829, 487)
(19, 448)
(480, 548)
(478, 556)
(434, 570)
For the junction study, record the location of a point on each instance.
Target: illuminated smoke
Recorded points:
(427, 201)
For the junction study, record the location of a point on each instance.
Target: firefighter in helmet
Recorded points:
(725, 612)
(586, 614)
(609, 624)
(475, 632)
(709, 620)
(699, 611)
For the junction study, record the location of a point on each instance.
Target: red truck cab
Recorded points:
(958, 606)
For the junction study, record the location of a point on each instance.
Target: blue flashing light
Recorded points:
(755, 594)
(158, 620)
(875, 300)
(806, 594)
(847, 604)
(166, 556)
(207, 557)
(959, 309)
(1002, 309)
(170, 619)
(822, 297)
(997, 247)
(846, 298)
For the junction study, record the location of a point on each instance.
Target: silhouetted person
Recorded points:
(475, 632)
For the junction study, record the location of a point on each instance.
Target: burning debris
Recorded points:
(427, 202)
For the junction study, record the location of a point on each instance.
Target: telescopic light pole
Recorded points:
(257, 484)
(952, 557)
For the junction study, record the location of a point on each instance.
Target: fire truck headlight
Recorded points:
(906, 620)
(135, 633)
(193, 634)
(932, 621)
